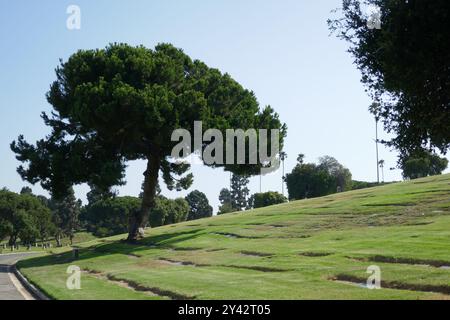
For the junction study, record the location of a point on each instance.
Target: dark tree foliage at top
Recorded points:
(405, 66)
(122, 103)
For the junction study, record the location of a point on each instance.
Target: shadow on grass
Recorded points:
(117, 247)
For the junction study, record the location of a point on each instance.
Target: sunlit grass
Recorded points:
(289, 251)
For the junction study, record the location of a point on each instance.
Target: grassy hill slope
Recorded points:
(311, 249)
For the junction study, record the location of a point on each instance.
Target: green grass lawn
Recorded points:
(310, 249)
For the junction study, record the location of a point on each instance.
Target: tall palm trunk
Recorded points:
(138, 220)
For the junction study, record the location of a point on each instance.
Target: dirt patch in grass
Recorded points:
(215, 250)
(156, 291)
(418, 223)
(182, 263)
(315, 254)
(398, 285)
(132, 285)
(123, 284)
(192, 264)
(428, 191)
(389, 205)
(256, 268)
(293, 236)
(152, 264)
(421, 182)
(234, 235)
(278, 226)
(186, 248)
(401, 260)
(256, 254)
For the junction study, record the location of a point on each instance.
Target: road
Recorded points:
(10, 286)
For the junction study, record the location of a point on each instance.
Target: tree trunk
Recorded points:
(12, 240)
(138, 220)
(58, 240)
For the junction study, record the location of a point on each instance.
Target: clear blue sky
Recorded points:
(279, 49)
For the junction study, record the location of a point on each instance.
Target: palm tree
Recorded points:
(375, 109)
(283, 156)
(381, 164)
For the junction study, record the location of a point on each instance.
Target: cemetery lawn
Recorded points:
(310, 249)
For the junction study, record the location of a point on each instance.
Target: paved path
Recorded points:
(10, 286)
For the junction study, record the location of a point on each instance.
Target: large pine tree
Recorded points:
(122, 103)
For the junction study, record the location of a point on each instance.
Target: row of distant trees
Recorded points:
(307, 180)
(310, 180)
(31, 218)
(238, 197)
(27, 219)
